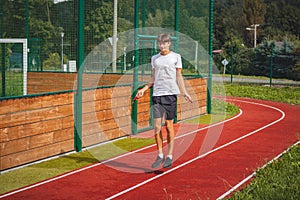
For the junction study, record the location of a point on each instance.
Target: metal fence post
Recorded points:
(210, 49)
(231, 64)
(78, 97)
(271, 63)
(135, 72)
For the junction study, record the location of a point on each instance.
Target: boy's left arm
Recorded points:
(181, 85)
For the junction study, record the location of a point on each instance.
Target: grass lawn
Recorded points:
(279, 180)
(13, 84)
(286, 94)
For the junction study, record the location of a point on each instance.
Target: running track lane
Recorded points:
(263, 130)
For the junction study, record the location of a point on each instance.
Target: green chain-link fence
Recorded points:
(51, 29)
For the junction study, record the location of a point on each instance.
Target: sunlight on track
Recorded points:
(109, 112)
(173, 169)
(209, 152)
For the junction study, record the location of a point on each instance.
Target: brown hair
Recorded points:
(163, 37)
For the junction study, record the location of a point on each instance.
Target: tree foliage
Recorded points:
(279, 21)
(279, 24)
(253, 13)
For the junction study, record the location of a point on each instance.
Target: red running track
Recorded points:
(208, 162)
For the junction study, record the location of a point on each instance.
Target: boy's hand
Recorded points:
(188, 98)
(139, 94)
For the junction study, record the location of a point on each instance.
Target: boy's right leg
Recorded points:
(158, 135)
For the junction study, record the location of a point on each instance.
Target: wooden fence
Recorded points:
(40, 126)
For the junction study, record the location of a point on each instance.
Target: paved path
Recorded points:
(254, 80)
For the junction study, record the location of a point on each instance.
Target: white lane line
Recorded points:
(254, 173)
(207, 153)
(103, 162)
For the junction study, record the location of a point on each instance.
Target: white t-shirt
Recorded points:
(165, 82)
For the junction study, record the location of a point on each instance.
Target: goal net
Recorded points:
(13, 62)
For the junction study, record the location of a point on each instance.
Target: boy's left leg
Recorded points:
(170, 139)
(159, 143)
(170, 108)
(170, 136)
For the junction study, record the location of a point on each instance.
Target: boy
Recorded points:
(167, 82)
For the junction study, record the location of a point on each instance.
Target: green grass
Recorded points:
(283, 80)
(13, 84)
(279, 180)
(220, 111)
(287, 94)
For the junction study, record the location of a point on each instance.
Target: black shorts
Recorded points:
(164, 105)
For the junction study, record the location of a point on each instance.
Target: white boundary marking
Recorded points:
(207, 153)
(158, 176)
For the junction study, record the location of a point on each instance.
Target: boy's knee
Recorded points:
(169, 124)
(157, 128)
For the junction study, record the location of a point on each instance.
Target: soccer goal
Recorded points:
(13, 61)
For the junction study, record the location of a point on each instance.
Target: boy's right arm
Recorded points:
(141, 92)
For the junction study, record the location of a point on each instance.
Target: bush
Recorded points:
(295, 72)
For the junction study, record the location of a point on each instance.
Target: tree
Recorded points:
(295, 72)
(282, 17)
(284, 55)
(253, 13)
(52, 62)
(157, 20)
(227, 21)
(200, 31)
(14, 19)
(99, 21)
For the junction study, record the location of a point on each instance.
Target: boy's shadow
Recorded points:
(116, 164)
(157, 172)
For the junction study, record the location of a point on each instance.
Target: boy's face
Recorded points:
(164, 46)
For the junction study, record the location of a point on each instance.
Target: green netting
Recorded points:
(11, 59)
(51, 29)
(58, 41)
